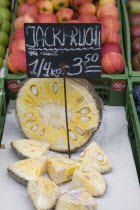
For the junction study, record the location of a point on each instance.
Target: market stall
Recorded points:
(71, 137)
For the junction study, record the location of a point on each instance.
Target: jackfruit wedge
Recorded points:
(40, 108)
(96, 158)
(61, 169)
(90, 179)
(43, 193)
(26, 170)
(78, 199)
(26, 148)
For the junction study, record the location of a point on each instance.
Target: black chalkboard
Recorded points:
(53, 50)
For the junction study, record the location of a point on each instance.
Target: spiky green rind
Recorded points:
(17, 178)
(20, 155)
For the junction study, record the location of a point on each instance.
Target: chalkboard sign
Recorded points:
(55, 50)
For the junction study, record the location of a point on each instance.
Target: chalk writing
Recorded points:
(56, 49)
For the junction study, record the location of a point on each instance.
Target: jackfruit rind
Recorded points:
(78, 199)
(40, 111)
(90, 179)
(61, 169)
(43, 193)
(26, 170)
(26, 148)
(96, 158)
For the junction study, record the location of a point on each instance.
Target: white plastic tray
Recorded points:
(123, 190)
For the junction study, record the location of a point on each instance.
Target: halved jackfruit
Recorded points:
(26, 148)
(26, 170)
(96, 158)
(61, 169)
(40, 110)
(43, 193)
(90, 179)
(78, 199)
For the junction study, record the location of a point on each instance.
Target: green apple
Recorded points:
(4, 3)
(59, 4)
(1, 62)
(2, 51)
(4, 39)
(6, 26)
(6, 14)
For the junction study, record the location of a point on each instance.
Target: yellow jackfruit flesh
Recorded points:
(90, 179)
(61, 169)
(26, 148)
(78, 199)
(40, 108)
(26, 170)
(96, 158)
(43, 193)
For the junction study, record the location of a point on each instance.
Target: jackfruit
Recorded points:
(43, 193)
(26, 148)
(40, 108)
(61, 169)
(26, 170)
(78, 199)
(90, 179)
(96, 158)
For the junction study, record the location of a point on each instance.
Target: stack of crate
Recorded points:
(2, 106)
(133, 80)
(111, 88)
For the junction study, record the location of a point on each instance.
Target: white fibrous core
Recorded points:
(54, 114)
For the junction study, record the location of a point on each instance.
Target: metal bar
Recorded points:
(66, 114)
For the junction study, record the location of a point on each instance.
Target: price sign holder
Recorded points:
(63, 51)
(66, 112)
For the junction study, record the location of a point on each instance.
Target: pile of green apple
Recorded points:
(69, 11)
(5, 28)
(134, 21)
